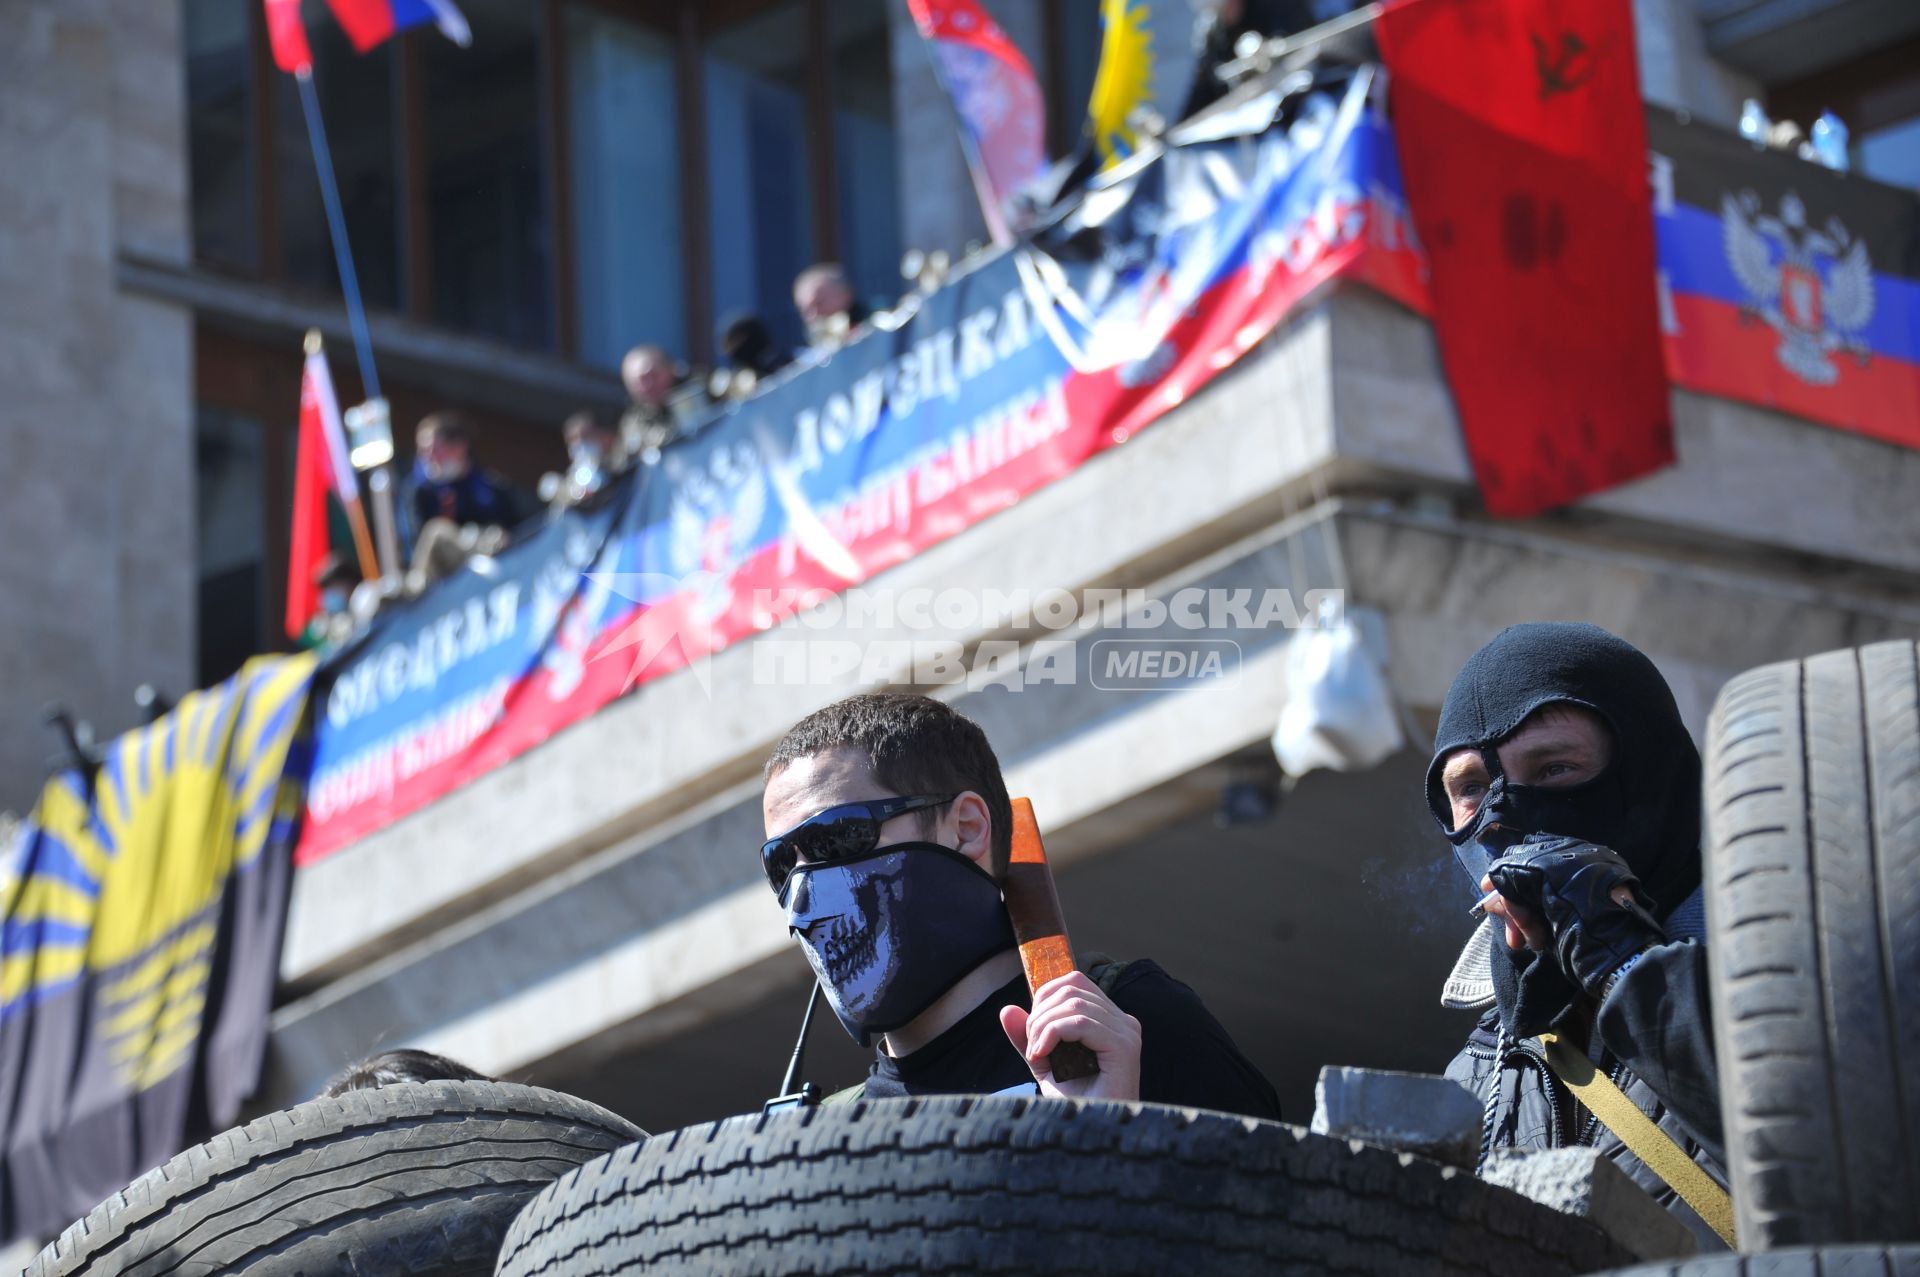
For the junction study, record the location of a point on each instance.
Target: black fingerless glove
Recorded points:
(1570, 884)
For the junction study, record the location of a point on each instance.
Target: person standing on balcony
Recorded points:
(595, 455)
(832, 314)
(889, 831)
(751, 355)
(648, 425)
(447, 485)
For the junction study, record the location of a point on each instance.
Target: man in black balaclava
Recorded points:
(1570, 790)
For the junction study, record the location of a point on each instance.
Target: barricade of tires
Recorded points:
(960, 1184)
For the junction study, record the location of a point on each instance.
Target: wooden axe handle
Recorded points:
(1034, 908)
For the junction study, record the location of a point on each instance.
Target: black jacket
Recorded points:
(1652, 1036)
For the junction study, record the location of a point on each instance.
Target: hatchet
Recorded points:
(1034, 908)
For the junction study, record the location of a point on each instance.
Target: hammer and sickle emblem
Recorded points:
(1564, 69)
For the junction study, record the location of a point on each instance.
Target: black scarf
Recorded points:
(1654, 767)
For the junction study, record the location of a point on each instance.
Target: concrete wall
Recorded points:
(96, 419)
(1676, 68)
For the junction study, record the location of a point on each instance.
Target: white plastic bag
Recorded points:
(1339, 712)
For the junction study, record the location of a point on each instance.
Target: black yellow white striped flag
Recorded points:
(140, 918)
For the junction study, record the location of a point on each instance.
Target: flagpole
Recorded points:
(379, 480)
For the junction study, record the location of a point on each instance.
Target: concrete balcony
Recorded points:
(592, 914)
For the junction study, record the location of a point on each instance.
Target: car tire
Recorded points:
(420, 1178)
(1813, 906)
(959, 1184)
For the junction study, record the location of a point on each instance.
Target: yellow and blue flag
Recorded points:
(1148, 52)
(140, 920)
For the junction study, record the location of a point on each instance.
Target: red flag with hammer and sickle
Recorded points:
(1523, 146)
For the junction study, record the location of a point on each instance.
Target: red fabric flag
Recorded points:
(288, 36)
(1524, 150)
(1003, 114)
(307, 545)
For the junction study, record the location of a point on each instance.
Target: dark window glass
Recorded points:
(625, 169)
(487, 210)
(220, 132)
(230, 474)
(866, 188)
(759, 196)
(357, 107)
(1891, 154)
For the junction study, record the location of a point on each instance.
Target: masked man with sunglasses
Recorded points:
(1568, 785)
(889, 830)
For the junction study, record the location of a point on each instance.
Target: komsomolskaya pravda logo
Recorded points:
(1817, 294)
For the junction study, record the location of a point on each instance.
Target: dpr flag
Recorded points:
(1523, 146)
(1003, 114)
(140, 920)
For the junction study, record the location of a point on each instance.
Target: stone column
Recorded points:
(96, 387)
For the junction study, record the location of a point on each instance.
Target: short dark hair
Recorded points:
(450, 424)
(389, 1068)
(913, 745)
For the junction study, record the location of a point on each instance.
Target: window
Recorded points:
(220, 130)
(1891, 154)
(760, 197)
(472, 177)
(863, 147)
(485, 187)
(230, 474)
(624, 165)
(357, 106)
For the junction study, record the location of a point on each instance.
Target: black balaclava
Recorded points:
(1644, 805)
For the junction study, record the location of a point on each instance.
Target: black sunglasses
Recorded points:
(845, 832)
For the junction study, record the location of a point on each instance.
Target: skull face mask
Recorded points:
(890, 932)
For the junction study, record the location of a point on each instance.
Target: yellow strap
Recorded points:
(1645, 1140)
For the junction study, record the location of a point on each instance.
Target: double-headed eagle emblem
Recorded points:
(1817, 292)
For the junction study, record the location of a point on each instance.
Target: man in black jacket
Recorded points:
(1570, 789)
(889, 831)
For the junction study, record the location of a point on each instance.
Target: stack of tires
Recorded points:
(960, 1184)
(1813, 903)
